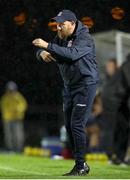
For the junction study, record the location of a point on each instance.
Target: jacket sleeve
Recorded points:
(21, 103)
(39, 58)
(82, 45)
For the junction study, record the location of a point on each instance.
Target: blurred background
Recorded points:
(40, 84)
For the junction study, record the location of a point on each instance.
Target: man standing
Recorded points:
(74, 51)
(117, 104)
(13, 107)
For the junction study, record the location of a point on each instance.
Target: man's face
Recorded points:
(111, 68)
(65, 29)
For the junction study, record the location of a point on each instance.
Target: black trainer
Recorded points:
(78, 172)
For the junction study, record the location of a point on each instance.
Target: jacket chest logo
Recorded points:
(69, 43)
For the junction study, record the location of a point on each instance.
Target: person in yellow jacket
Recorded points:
(13, 106)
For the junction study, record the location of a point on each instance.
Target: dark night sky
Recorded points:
(39, 82)
(17, 55)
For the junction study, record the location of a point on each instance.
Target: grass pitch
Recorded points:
(24, 167)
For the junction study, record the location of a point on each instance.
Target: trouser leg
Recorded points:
(8, 138)
(18, 135)
(121, 136)
(108, 135)
(82, 104)
(67, 110)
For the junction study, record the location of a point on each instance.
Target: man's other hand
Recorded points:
(46, 56)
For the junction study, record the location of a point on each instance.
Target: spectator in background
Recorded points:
(121, 97)
(13, 106)
(117, 96)
(111, 68)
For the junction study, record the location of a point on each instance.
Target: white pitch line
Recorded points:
(23, 171)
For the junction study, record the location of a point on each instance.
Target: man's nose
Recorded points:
(59, 27)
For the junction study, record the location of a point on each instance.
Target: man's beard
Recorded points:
(61, 35)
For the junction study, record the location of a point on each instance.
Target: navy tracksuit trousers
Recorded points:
(77, 105)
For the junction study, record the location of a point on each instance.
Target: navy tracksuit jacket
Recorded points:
(77, 63)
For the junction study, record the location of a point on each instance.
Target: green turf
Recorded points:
(24, 167)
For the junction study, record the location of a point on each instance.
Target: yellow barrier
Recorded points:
(96, 157)
(34, 151)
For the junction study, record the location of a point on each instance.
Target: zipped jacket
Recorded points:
(76, 57)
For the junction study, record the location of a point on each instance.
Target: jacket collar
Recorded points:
(78, 28)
